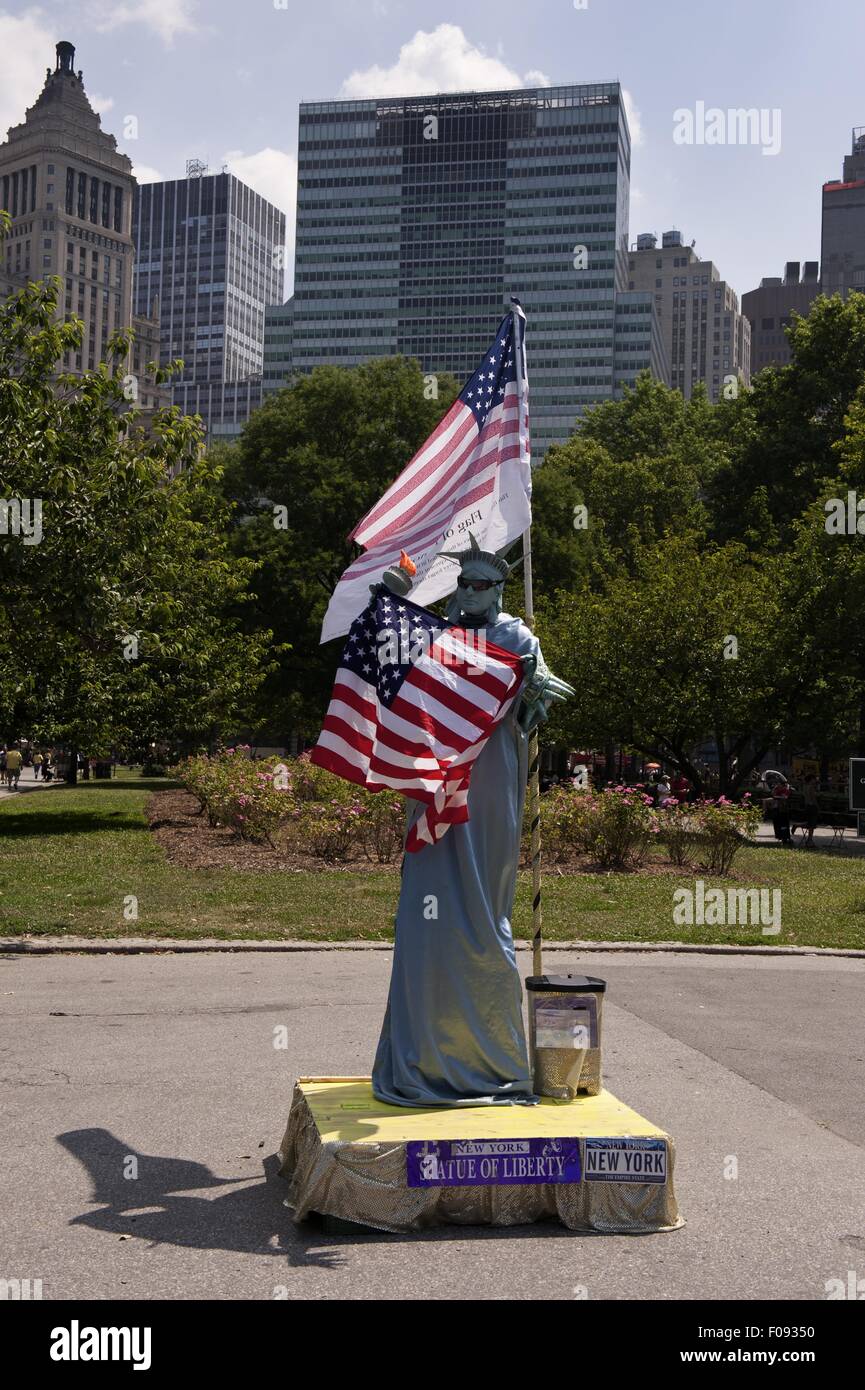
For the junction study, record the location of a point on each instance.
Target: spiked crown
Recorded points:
(496, 558)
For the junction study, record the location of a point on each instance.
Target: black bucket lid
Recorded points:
(566, 984)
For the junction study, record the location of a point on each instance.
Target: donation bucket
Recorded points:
(565, 1034)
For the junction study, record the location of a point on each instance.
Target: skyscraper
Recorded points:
(770, 309)
(69, 193)
(417, 218)
(211, 248)
(842, 254)
(705, 335)
(278, 320)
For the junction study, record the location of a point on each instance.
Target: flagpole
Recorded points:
(534, 747)
(534, 790)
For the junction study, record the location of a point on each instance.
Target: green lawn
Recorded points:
(70, 858)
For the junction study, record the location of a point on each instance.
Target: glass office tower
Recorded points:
(212, 249)
(418, 218)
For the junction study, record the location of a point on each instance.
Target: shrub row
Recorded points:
(312, 810)
(616, 827)
(320, 814)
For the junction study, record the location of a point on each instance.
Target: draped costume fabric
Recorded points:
(453, 1030)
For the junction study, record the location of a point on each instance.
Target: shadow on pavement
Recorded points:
(158, 1206)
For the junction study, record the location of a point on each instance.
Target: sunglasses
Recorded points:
(477, 584)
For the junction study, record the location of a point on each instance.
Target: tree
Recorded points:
(695, 645)
(114, 619)
(307, 467)
(634, 472)
(781, 436)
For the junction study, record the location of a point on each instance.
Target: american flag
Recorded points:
(413, 704)
(473, 473)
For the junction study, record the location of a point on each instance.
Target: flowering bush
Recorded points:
(722, 827)
(381, 827)
(323, 815)
(676, 829)
(326, 829)
(311, 783)
(620, 824)
(335, 821)
(615, 827)
(565, 815)
(612, 827)
(236, 791)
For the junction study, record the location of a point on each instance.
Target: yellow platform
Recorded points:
(347, 1155)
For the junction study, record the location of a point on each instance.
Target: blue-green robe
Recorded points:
(453, 1032)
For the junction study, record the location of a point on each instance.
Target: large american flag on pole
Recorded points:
(413, 704)
(473, 473)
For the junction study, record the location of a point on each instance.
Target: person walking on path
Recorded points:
(13, 767)
(37, 765)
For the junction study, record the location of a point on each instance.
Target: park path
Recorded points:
(186, 1064)
(28, 783)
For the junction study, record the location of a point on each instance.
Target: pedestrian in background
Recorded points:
(810, 789)
(13, 767)
(781, 794)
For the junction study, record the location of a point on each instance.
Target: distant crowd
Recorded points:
(16, 756)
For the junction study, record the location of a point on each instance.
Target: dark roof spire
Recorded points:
(65, 57)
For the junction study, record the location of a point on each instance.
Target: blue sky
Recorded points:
(221, 79)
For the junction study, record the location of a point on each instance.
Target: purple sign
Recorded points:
(483, 1162)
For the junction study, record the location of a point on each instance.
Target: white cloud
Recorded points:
(167, 18)
(273, 174)
(635, 123)
(27, 49)
(441, 61)
(145, 173)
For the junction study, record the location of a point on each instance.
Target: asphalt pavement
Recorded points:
(144, 1100)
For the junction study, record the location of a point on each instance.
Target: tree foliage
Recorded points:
(114, 622)
(308, 466)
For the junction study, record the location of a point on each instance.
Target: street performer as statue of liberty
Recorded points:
(453, 1031)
